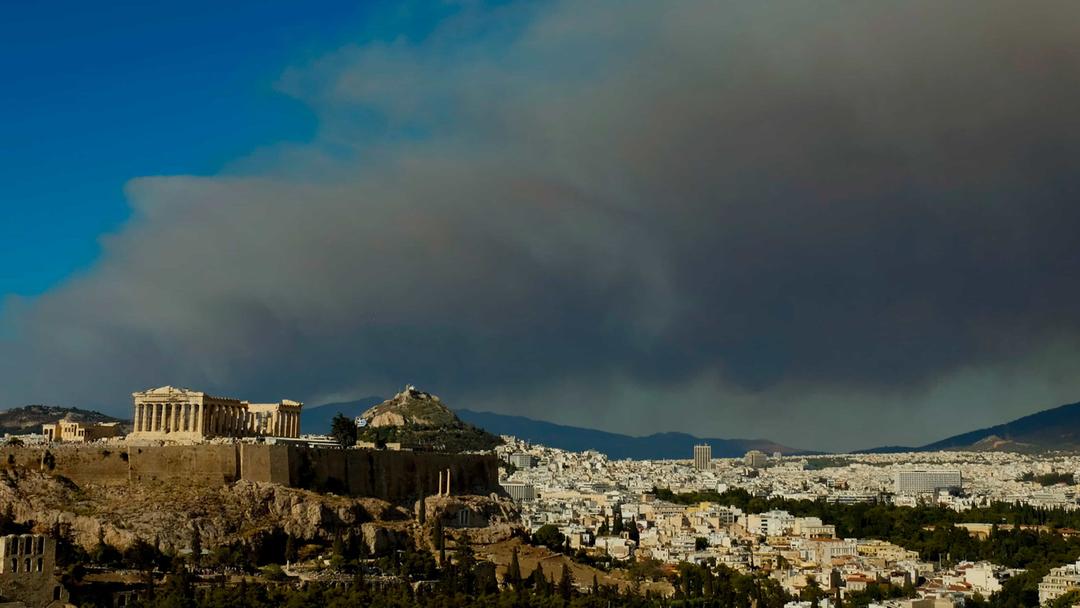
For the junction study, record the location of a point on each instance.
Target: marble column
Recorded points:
(138, 416)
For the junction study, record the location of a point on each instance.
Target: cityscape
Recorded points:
(540, 304)
(881, 530)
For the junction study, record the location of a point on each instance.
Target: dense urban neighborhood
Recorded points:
(887, 526)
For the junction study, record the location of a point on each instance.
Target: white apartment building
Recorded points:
(926, 482)
(1058, 582)
(770, 523)
(519, 491)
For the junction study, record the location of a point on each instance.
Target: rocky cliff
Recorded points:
(245, 513)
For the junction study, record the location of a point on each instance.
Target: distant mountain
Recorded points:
(887, 449)
(1053, 429)
(28, 419)
(316, 419)
(653, 447)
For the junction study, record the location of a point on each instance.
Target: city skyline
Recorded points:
(834, 228)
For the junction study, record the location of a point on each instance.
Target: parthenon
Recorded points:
(180, 414)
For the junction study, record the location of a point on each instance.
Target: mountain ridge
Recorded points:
(1057, 428)
(658, 446)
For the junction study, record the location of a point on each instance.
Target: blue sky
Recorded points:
(100, 93)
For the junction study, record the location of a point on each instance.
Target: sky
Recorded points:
(836, 225)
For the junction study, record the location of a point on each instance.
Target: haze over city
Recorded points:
(834, 225)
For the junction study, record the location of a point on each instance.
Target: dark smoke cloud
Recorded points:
(834, 224)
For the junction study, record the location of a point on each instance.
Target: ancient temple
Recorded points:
(179, 414)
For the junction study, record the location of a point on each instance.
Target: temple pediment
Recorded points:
(169, 390)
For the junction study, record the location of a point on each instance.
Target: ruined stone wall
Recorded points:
(390, 475)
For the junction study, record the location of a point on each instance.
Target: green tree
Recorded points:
(196, 545)
(343, 430)
(437, 536)
(142, 556)
(339, 544)
(7, 520)
(566, 583)
(513, 574)
(291, 552)
(549, 536)
(812, 592)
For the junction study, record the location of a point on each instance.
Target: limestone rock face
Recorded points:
(485, 519)
(411, 406)
(243, 512)
(170, 513)
(381, 538)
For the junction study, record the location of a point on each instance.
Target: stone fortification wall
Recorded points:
(389, 475)
(197, 464)
(79, 463)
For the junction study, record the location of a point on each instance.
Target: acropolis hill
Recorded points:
(241, 473)
(188, 436)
